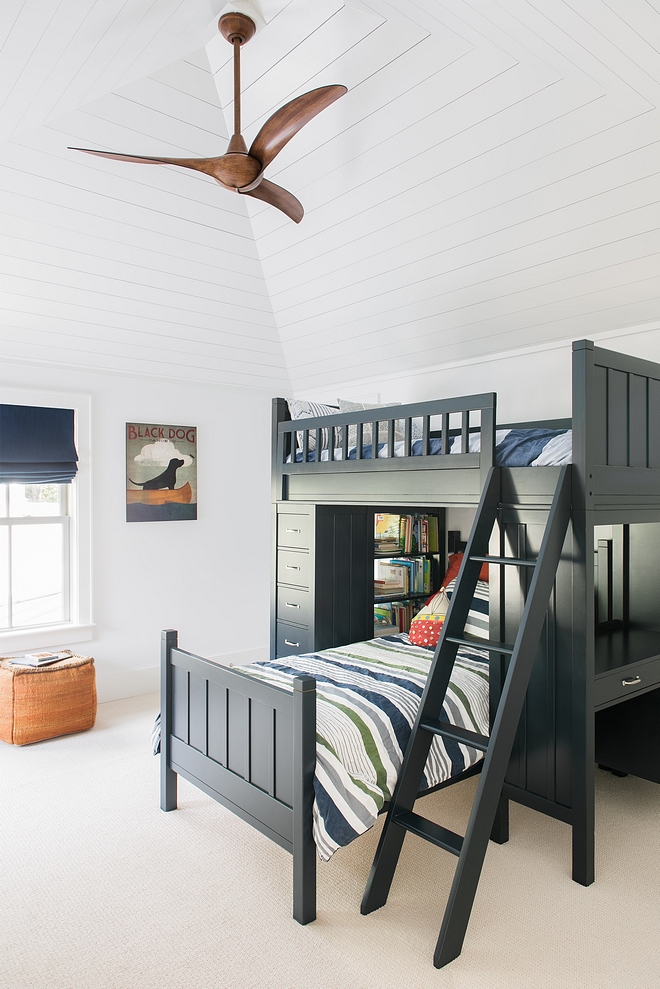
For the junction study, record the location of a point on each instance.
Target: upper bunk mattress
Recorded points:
(513, 448)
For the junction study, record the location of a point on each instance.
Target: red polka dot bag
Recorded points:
(426, 625)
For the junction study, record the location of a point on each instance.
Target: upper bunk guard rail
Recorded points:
(330, 437)
(616, 430)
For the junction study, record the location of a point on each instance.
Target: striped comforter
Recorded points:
(367, 699)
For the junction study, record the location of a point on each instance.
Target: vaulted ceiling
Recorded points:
(490, 181)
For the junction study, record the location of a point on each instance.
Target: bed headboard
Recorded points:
(616, 429)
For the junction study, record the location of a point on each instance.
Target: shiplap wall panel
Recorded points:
(129, 268)
(631, 231)
(473, 240)
(48, 222)
(489, 183)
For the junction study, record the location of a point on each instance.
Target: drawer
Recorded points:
(293, 530)
(293, 568)
(627, 681)
(292, 640)
(294, 605)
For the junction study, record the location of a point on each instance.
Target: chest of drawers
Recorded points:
(322, 582)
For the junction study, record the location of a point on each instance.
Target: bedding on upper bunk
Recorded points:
(368, 694)
(513, 448)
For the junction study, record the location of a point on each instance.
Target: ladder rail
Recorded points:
(400, 818)
(503, 732)
(414, 760)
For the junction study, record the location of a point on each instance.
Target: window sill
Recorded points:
(43, 638)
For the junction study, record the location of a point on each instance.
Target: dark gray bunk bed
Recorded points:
(594, 695)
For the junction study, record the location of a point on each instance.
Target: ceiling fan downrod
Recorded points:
(237, 29)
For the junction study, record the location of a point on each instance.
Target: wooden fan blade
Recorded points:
(276, 196)
(231, 170)
(287, 121)
(199, 164)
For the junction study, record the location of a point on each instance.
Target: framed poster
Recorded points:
(161, 472)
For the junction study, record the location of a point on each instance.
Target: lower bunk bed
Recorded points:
(307, 749)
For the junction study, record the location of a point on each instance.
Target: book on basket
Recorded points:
(39, 658)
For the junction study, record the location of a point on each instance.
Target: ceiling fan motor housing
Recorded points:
(236, 27)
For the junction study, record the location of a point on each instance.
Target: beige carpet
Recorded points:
(101, 890)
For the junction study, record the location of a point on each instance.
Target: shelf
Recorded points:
(397, 556)
(382, 598)
(621, 647)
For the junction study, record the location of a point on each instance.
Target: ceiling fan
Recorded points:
(240, 170)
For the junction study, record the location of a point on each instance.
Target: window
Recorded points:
(35, 537)
(45, 565)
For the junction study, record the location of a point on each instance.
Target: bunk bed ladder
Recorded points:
(471, 848)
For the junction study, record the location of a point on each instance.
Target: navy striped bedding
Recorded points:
(513, 448)
(367, 699)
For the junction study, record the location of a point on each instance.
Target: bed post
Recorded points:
(168, 778)
(583, 717)
(304, 764)
(280, 414)
(487, 443)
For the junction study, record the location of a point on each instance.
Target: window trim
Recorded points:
(80, 626)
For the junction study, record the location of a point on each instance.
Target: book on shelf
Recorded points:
(395, 614)
(386, 534)
(392, 579)
(413, 533)
(40, 658)
(380, 629)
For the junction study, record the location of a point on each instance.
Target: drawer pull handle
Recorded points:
(292, 530)
(290, 605)
(290, 567)
(630, 681)
(287, 643)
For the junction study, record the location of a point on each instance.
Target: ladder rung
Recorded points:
(511, 561)
(430, 831)
(457, 734)
(477, 643)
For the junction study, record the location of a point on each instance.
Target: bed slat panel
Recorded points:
(638, 440)
(284, 758)
(180, 703)
(599, 426)
(617, 418)
(217, 723)
(238, 716)
(197, 712)
(654, 422)
(262, 761)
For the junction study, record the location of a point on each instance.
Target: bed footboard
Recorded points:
(250, 746)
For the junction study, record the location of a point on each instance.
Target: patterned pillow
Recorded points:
(399, 428)
(300, 409)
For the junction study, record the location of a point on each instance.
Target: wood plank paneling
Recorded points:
(488, 183)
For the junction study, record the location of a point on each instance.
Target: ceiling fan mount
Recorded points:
(235, 26)
(239, 169)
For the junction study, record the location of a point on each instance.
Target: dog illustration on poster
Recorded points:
(161, 472)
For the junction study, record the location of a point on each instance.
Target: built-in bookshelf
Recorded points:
(408, 552)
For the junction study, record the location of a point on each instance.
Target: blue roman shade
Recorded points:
(36, 445)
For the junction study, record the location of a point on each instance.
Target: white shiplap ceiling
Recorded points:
(491, 181)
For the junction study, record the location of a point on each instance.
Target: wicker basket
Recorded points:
(38, 703)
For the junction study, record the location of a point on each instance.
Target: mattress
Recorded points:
(368, 694)
(513, 448)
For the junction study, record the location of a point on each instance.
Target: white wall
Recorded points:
(531, 383)
(208, 578)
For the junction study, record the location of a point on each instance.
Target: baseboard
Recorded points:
(131, 683)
